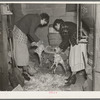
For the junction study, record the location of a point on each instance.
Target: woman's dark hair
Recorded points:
(85, 26)
(57, 21)
(45, 16)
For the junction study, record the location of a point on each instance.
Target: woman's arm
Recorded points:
(64, 44)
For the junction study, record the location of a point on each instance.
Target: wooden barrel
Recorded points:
(54, 37)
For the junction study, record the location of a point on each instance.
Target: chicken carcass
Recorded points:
(40, 48)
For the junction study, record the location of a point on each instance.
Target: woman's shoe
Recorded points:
(26, 76)
(20, 66)
(69, 77)
(83, 73)
(71, 80)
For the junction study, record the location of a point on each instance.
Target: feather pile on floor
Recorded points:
(45, 82)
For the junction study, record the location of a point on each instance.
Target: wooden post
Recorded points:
(78, 21)
(3, 54)
(97, 51)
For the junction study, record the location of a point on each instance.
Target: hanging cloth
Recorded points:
(76, 61)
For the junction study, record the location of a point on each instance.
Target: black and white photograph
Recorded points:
(49, 47)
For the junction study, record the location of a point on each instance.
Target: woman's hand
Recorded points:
(39, 42)
(57, 50)
(33, 44)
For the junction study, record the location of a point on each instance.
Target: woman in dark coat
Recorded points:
(68, 32)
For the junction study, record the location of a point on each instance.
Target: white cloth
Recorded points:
(20, 50)
(76, 60)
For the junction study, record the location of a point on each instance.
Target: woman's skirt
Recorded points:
(78, 57)
(20, 49)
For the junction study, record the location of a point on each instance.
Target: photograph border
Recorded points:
(93, 95)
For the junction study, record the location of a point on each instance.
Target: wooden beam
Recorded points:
(3, 54)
